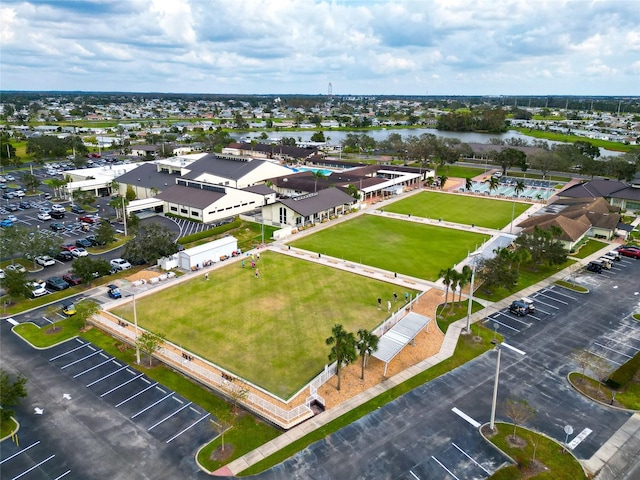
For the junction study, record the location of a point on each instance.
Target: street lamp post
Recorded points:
(495, 390)
(473, 276)
(135, 322)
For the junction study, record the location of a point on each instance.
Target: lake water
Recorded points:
(335, 137)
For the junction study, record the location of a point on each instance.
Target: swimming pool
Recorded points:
(533, 193)
(324, 172)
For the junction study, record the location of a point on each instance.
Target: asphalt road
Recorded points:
(417, 436)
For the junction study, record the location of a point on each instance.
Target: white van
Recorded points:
(612, 255)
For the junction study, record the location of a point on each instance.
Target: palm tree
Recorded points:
(463, 279)
(447, 275)
(343, 348)
(468, 184)
(442, 179)
(317, 174)
(493, 183)
(367, 344)
(519, 188)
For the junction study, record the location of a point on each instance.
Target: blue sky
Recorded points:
(447, 47)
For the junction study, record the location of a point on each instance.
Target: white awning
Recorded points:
(400, 335)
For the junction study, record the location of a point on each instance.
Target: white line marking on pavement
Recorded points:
(612, 349)
(168, 417)
(151, 406)
(553, 299)
(511, 317)
(547, 304)
(92, 368)
(19, 452)
(467, 455)
(80, 360)
(445, 468)
(505, 325)
(12, 322)
(121, 385)
(466, 417)
(188, 428)
(106, 376)
(33, 468)
(63, 475)
(135, 395)
(624, 344)
(579, 438)
(605, 358)
(66, 353)
(563, 294)
(511, 347)
(414, 475)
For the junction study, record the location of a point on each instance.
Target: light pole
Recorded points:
(135, 322)
(513, 212)
(473, 276)
(124, 217)
(495, 390)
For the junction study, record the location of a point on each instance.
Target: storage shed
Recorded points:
(211, 252)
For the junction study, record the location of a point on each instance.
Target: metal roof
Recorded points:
(400, 335)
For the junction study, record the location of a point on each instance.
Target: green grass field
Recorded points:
(269, 330)
(395, 245)
(459, 171)
(483, 212)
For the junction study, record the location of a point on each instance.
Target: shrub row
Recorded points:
(209, 233)
(624, 373)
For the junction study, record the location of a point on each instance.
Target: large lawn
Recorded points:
(395, 245)
(466, 209)
(269, 330)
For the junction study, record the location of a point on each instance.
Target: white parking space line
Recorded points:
(121, 385)
(414, 475)
(168, 417)
(604, 358)
(503, 324)
(63, 475)
(19, 452)
(444, 468)
(469, 457)
(553, 299)
(545, 304)
(188, 428)
(558, 292)
(465, 417)
(108, 375)
(623, 344)
(80, 359)
(93, 368)
(579, 438)
(543, 311)
(47, 319)
(151, 406)
(13, 322)
(513, 317)
(533, 316)
(37, 465)
(135, 395)
(511, 347)
(67, 353)
(612, 349)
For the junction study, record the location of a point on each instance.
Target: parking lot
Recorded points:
(109, 399)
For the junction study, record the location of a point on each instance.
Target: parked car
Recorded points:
(629, 251)
(8, 195)
(83, 242)
(56, 283)
(594, 267)
(6, 223)
(605, 262)
(120, 264)
(12, 207)
(19, 193)
(518, 308)
(13, 218)
(45, 261)
(2, 274)
(87, 219)
(77, 209)
(44, 216)
(47, 196)
(531, 308)
(57, 215)
(72, 278)
(64, 256)
(44, 210)
(56, 227)
(612, 255)
(68, 247)
(68, 308)
(16, 267)
(94, 241)
(79, 252)
(114, 291)
(10, 178)
(24, 205)
(38, 289)
(56, 207)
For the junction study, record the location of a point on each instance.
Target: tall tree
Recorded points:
(463, 279)
(366, 345)
(543, 245)
(343, 348)
(447, 275)
(519, 412)
(468, 184)
(12, 391)
(149, 343)
(493, 183)
(152, 241)
(30, 182)
(519, 187)
(86, 309)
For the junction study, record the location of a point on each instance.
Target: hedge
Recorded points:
(624, 373)
(209, 233)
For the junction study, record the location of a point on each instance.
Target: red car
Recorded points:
(72, 279)
(67, 247)
(633, 252)
(87, 219)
